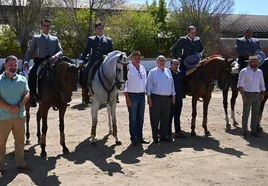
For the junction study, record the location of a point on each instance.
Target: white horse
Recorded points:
(111, 75)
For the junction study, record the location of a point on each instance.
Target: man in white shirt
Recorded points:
(252, 88)
(135, 98)
(161, 93)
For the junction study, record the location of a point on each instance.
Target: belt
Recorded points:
(137, 93)
(162, 96)
(252, 92)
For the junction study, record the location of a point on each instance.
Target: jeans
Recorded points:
(136, 115)
(175, 113)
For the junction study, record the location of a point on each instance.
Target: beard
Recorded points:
(11, 71)
(253, 66)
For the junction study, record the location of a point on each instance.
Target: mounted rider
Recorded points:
(45, 47)
(96, 48)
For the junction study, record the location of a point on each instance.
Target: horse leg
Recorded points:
(194, 113)
(27, 107)
(225, 106)
(38, 119)
(259, 128)
(233, 101)
(113, 114)
(109, 119)
(205, 113)
(44, 112)
(62, 110)
(94, 114)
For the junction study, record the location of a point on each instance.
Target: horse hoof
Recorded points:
(118, 143)
(27, 142)
(43, 154)
(235, 124)
(207, 133)
(66, 151)
(193, 133)
(228, 127)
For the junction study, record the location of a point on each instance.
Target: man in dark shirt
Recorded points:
(246, 46)
(187, 45)
(178, 77)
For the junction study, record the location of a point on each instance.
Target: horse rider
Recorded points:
(46, 47)
(96, 47)
(186, 46)
(246, 46)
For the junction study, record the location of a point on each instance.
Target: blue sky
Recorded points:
(257, 7)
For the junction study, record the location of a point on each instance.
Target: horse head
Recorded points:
(225, 70)
(67, 78)
(121, 71)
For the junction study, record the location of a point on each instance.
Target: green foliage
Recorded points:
(8, 43)
(132, 30)
(71, 26)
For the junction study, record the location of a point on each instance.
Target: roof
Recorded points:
(239, 22)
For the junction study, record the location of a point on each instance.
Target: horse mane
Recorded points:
(112, 54)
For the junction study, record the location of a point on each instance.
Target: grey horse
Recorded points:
(111, 76)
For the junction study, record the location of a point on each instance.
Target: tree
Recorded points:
(8, 43)
(131, 30)
(205, 15)
(72, 30)
(22, 16)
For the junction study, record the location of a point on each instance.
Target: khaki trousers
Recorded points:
(16, 125)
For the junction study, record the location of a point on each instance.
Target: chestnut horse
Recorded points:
(201, 84)
(55, 90)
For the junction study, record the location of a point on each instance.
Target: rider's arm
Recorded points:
(86, 50)
(59, 49)
(30, 51)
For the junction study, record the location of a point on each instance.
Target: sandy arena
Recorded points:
(225, 158)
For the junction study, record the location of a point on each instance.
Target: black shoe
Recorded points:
(255, 134)
(142, 141)
(134, 142)
(259, 129)
(245, 134)
(167, 139)
(180, 135)
(155, 140)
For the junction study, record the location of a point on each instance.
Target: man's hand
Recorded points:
(262, 97)
(129, 102)
(149, 101)
(53, 59)
(173, 100)
(14, 109)
(245, 99)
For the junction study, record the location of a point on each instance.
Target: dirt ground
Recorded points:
(225, 158)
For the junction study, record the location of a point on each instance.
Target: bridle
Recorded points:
(116, 82)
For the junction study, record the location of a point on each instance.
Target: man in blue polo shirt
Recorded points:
(14, 93)
(176, 108)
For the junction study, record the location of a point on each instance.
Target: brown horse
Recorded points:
(201, 84)
(55, 90)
